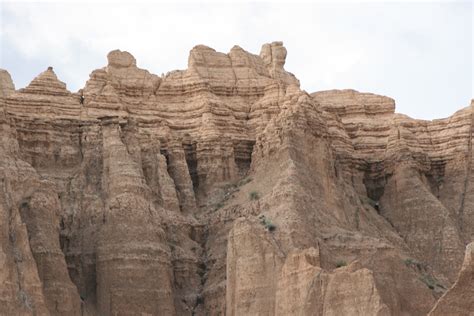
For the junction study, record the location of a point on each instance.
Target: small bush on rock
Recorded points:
(429, 281)
(341, 263)
(410, 262)
(267, 223)
(254, 195)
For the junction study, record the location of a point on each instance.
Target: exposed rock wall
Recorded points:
(458, 299)
(133, 260)
(427, 164)
(226, 189)
(33, 273)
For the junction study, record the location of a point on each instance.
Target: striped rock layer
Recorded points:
(225, 189)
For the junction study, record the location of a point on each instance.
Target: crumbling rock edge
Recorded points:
(226, 189)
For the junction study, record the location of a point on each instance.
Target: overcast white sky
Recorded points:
(420, 54)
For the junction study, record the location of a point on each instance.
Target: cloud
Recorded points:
(419, 54)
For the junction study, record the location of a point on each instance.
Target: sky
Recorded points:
(419, 53)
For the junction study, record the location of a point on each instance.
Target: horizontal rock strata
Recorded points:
(225, 189)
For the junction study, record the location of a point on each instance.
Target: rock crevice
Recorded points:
(226, 189)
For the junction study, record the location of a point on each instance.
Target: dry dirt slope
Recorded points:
(224, 189)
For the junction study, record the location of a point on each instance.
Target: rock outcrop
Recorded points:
(458, 299)
(225, 189)
(296, 285)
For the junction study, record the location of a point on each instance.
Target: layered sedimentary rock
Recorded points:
(458, 299)
(295, 286)
(413, 170)
(33, 274)
(225, 189)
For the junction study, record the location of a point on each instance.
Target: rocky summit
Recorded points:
(225, 189)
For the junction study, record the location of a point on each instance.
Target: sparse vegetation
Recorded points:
(357, 217)
(244, 181)
(367, 200)
(219, 205)
(230, 187)
(228, 191)
(25, 299)
(254, 195)
(267, 223)
(428, 280)
(199, 300)
(341, 263)
(432, 283)
(410, 262)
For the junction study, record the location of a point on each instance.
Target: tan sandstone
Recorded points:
(226, 189)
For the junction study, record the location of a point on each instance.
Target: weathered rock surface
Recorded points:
(224, 189)
(458, 299)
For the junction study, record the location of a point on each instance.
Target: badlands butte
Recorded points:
(225, 189)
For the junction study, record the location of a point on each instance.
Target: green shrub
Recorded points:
(429, 281)
(410, 262)
(219, 205)
(271, 227)
(267, 223)
(254, 195)
(341, 263)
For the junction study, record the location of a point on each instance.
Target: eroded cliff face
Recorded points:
(224, 189)
(458, 299)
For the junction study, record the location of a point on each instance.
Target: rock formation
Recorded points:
(458, 299)
(225, 189)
